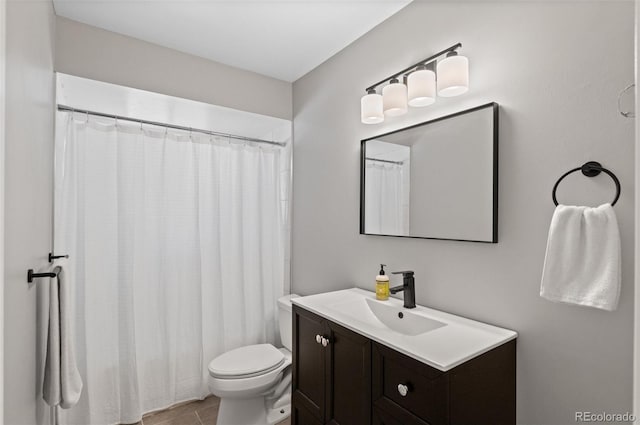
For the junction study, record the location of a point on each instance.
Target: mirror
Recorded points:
(434, 180)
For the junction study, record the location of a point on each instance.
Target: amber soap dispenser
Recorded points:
(382, 285)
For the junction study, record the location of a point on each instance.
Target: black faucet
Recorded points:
(408, 287)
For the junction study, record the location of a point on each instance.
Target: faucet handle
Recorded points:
(405, 272)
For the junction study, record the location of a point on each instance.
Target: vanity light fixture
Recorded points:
(448, 77)
(371, 107)
(453, 75)
(394, 98)
(422, 86)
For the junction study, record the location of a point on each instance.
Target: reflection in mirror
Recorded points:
(388, 182)
(434, 180)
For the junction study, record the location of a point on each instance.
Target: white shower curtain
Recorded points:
(177, 243)
(385, 207)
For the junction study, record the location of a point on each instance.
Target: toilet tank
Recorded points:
(284, 320)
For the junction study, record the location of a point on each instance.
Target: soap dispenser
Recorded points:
(382, 285)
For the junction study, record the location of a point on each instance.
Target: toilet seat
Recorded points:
(258, 384)
(246, 362)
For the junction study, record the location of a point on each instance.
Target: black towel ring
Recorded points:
(589, 169)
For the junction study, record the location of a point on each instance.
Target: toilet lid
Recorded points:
(247, 361)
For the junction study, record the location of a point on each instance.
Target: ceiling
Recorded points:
(282, 39)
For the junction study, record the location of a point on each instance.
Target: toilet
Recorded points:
(254, 382)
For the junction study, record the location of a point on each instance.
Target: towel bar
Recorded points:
(53, 257)
(589, 169)
(31, 275)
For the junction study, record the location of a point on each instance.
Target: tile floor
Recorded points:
(199, 412)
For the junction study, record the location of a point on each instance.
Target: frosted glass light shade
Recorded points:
(453, 75)
(421, 86)
(394, 96)
(371, 108)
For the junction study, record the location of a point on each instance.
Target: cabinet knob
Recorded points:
(319, 339)
(403, 390)
(325, 341)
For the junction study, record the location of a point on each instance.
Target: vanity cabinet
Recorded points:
(341, 377)
(331, 373)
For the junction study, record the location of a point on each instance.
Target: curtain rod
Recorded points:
(160, 124)
(385, 160)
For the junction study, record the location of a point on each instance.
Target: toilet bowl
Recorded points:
(254, 382)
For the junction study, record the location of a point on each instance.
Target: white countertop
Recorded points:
(443, 348)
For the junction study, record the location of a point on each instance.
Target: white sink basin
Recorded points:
(391, 316)
(439, 339)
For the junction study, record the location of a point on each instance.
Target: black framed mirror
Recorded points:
(433, 180)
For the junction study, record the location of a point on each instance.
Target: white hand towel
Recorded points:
(582, 263)
(62, 381)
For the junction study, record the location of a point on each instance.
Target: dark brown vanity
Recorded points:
(342, 377)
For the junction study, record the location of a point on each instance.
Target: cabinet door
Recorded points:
(308, 386)
(301, 416)
(348, 380)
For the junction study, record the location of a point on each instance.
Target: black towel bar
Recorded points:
(589, 169)
(53, 257)
(31, 275)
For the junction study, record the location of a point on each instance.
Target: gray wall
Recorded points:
(636, 351)
(28, 197)
(90, 52)
(556, 70)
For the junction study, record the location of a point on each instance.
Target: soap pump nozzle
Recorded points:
(382, 266)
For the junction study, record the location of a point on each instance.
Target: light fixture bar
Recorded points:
(409, 68)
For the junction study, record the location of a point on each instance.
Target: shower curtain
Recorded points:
(177, 244)
(386, 209)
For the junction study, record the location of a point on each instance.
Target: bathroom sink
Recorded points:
(404, 322)
(439, 339)
(393, 317)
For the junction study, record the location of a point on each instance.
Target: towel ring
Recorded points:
(589, 169)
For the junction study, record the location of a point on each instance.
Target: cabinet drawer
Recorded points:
(427, 389)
